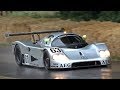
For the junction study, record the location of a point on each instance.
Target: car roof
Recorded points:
(60, 33)
(53, 36)
(57, 34)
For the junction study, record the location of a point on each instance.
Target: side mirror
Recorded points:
(84, 37)
(46, 40)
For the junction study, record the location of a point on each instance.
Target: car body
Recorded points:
(60, 50)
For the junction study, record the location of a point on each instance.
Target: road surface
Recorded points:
(10, 70)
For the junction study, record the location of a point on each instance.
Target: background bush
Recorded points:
(113, 16)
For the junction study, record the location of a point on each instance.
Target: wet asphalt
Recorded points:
(10, 70)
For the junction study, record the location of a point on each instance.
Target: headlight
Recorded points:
(107, 53)
(60, 57)
(104, 54)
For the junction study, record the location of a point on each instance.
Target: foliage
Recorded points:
(113, 16)
(34, 14)
(91, 15)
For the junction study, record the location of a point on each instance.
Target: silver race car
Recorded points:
(59, 50)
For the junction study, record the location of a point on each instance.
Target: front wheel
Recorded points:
(18, 55)
(46, 60)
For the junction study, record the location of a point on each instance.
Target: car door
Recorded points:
(36, 56)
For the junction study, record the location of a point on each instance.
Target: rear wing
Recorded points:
(33, 33)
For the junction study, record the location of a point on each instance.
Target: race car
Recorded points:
(59, 50)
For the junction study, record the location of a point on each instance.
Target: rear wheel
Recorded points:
(18, 55)
(46, 60)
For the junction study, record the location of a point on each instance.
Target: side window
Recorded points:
(51, 36)
(57, 42)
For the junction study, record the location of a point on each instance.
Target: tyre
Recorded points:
(46, 60)
(18, 55)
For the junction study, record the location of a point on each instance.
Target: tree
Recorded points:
(79, 15)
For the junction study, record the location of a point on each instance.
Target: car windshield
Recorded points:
(69, 41)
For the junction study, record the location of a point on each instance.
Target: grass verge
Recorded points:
(115, 58)
(4, 44)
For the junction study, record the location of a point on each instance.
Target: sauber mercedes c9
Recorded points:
(59, 50)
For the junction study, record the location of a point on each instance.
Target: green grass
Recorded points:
(34, 14)
(115, 58)
(4, 44)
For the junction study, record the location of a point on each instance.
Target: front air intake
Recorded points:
(85, 64)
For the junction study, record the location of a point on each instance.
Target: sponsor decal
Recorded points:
(33, 59)
(82, 57)
(65, 65)
(26, 56)
(54, 65)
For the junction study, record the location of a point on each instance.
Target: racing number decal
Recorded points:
(54, 50)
